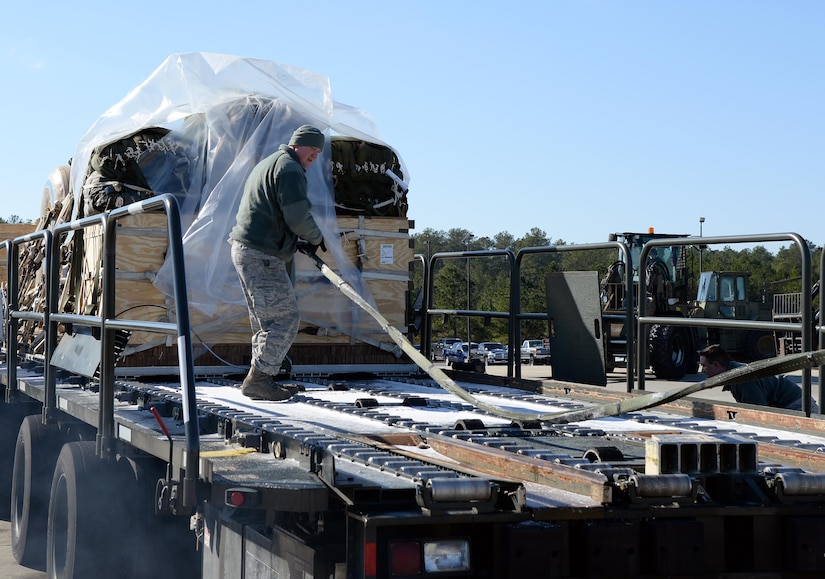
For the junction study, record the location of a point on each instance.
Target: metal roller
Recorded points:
(662, 485)
(445, 490)
(801, 483)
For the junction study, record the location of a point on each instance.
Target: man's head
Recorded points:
(714, 360)
(308, 142)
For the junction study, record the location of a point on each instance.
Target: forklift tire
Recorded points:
(761, 345)
(671, 351)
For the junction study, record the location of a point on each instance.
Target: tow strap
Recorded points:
(760, 369)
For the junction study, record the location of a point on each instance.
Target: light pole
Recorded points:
(469, 239)
(701, 247)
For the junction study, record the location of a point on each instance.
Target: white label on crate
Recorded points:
(386, 253)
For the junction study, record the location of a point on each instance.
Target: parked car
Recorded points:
(493, 352)
(460, 352)
(535, 352)
(439, 347)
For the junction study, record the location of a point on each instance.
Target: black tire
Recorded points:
(761, 345)
(80, 538)
(11, 416)
(102, 524)
(671, 351)
(34, 458)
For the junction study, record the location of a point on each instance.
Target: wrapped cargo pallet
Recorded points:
(195, 129)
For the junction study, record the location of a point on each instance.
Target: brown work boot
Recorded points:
(259, 386)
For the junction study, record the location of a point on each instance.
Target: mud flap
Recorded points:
(576, 327)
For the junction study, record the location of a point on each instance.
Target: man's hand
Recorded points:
(311, 248)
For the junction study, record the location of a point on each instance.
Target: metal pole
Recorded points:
(701, 247)
(469, 239)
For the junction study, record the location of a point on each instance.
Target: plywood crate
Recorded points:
(10, 231)
(382, 250)
(380, 246)
(140, 249)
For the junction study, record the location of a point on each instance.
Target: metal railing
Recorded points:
(429, 311)
(804, 325)
(108, 323)
(515, 316)
(515, 293)
(635, 351)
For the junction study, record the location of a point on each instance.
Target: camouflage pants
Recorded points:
(273, 308)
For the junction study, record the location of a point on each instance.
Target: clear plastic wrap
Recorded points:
(224, 114)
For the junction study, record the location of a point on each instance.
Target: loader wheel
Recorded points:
(761, 345)
(34, 457)
(670, 351)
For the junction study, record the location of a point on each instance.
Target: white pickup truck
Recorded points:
(535, 351)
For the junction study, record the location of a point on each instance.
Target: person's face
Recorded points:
(710, 369)
(307, 155)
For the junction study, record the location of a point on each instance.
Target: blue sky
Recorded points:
(580, 118)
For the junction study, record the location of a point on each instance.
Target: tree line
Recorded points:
(13, 219)
(488, 286)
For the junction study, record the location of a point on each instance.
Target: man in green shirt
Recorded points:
(274, 212)
(775, 391)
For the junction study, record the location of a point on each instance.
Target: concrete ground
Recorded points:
(8, 566)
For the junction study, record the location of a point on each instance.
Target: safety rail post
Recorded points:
(821, 328)
(14, 314)
(805, 325)
(181, 328)
(75, 227)
(108, 323)
(629, 324)
(426, 337)
(430, 311)
(11, 370)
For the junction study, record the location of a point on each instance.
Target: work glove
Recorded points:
(311, 248)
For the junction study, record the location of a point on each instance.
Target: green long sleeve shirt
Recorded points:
(275, 210)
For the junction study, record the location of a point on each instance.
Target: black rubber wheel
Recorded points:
(34, 458)
(11, 416)
(80, 542)
(761, 345)
(671, 351)
(101, 522)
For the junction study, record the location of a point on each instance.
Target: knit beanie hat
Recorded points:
(307, 136)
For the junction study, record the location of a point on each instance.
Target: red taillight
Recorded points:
(242, 497)
(405, 559)
(370, 565)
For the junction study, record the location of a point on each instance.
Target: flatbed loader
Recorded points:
(127, 449)
(380, 472)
